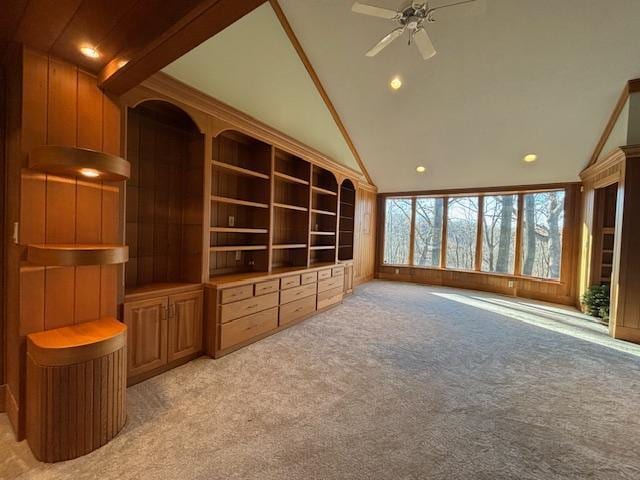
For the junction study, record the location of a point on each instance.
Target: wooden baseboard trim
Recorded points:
(509, 292)
(361, 280)
(165, 368)
(627, 334)
(13, 412)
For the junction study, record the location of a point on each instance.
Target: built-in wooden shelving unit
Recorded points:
(271, 210)
(345, 223)
(324, 212)
(240, 204)
(605, 222)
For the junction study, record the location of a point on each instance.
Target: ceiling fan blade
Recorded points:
(385, 41)
(423, 42)
(374, 11)
(459, 9)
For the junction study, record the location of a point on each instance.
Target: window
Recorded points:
(428, 232)
(499, 223)
(462, 227)
(397, 231)
(543, 221)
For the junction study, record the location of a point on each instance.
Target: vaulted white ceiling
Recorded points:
(538, 76)
(252, 66)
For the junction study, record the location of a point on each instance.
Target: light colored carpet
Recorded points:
(400, 382)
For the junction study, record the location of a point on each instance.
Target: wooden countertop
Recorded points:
(77, 343)
(226, 281)
(153, 290)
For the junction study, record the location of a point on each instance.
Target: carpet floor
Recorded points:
(400, 382)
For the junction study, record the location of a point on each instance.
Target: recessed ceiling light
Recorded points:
(395, 83)
(421, 169)
(530, 158)
(89, 52)
(89, 172)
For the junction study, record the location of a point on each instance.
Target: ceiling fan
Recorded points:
(411, 18)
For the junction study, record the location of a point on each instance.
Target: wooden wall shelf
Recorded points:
(323, 212)
(238, 230)
(82, 162)
(237, 248)
(239, 170)
(290, 207)
(288, 178)
(236, 201)
(76, 254)
(323, 191)
(285, 246)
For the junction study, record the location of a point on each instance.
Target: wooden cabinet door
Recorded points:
(185, 324)
(146, 321)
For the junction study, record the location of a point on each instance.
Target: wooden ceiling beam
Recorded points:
(129, 68)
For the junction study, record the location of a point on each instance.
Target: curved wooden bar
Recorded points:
(77, 254)
(76, 386)
(72, 161)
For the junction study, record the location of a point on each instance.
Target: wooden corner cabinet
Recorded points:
(76, 379)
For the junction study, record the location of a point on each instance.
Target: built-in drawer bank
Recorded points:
(298, 309)
(296, 293)
(329, 297)
(246, 328)
(231, 311)
(330, 283)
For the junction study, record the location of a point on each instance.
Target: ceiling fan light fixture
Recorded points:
(395, 83)
(420, 169)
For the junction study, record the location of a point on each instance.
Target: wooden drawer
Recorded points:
(329, 297)
(249, 306)
(329, 283)
(307, 278)
(289, 282)
(266, 287)
(246, 328)
(323, 274)
(337, 271)
(292, 294)
(298, 309)
(236, 293)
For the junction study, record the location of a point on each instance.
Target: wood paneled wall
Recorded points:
(364, 254)
(563, 291)
(56, 103)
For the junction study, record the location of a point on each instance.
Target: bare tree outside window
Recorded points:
(428, 232)
(499, 221)
(397, 231)
(462, 227)
(543, 222)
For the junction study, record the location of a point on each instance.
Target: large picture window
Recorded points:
(462, 229)
(428, 232)
(397, 231)
(542, 225)
(499, 225)
(507, 234)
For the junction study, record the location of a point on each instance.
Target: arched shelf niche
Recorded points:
(346, 220)
(164, 214)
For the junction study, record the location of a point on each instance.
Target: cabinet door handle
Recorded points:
(163, 315)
